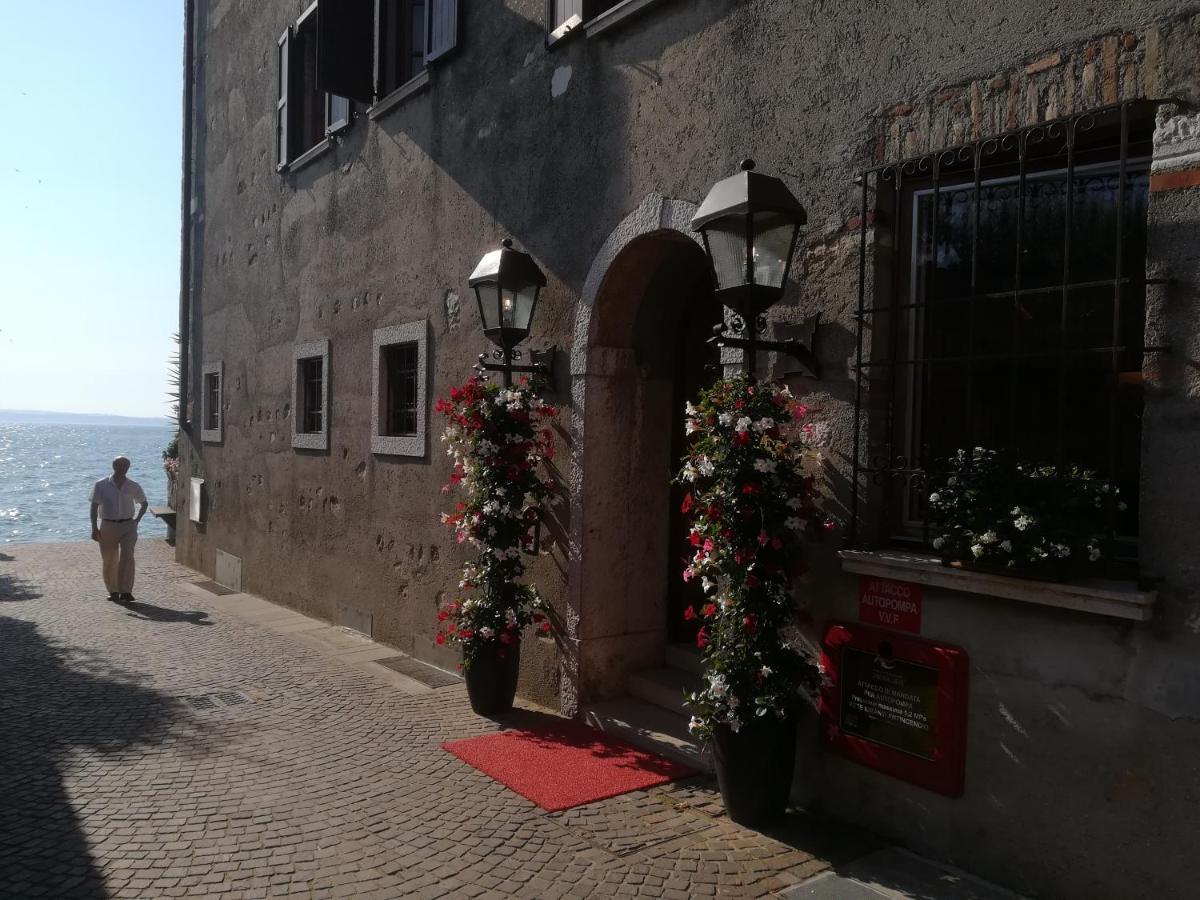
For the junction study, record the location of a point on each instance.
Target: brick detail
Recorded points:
(1175, 181)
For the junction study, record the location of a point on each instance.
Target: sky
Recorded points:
(90, 101)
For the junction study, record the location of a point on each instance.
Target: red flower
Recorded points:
(440, 639)
(443, 615)
(750, 489)
(689, 613)
(741, 438)
(545, 626)
(505, 637)
(694, 539)
(702, 638)
(710, 610)
(686, 506)
(751, 622)
(829, 525)
(764, 539)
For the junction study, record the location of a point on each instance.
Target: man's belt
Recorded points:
(130, 519)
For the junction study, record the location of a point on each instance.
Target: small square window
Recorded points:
(399, 388)
(211, 401)
(311, 396)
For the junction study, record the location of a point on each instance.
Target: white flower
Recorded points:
(1062, 550)
(735, 724)
(935, 497)
(705, 465)
(725, 418)
(694, 724)
(938, 543)
(717, 686)
(764, 424)
(989, 537)
(486, 632)
(690, 426)
(1006, 546)
(977, 550)
(1022, 522)
(689, 408)
(707, 584)
(765, 671)
(689, 472)
(795, 502)
(743, 424)
(733, 702)
(764, 465)
(794, 522)
(1093, 553)
(1015, 511)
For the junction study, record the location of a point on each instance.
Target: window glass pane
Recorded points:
(310, 105)
(312, 379)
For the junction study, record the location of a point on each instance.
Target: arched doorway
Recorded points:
(641, 349)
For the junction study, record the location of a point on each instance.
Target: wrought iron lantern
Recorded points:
(506, 284)
(750, 223)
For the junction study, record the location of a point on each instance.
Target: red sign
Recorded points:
(891, 604)
(897, 704)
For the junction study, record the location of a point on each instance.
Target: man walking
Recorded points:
(113, 499)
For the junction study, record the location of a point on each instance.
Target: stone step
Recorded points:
(664, 687)
(649, 727)
(685, 657)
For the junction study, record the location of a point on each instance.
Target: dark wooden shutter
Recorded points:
(345, 45)
(282, 126)
(441, 28)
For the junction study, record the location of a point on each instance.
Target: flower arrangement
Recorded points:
(750, 505)
(499, 438)
(992, 510)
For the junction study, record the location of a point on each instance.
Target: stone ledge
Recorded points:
(616, 15)
(1105, 598)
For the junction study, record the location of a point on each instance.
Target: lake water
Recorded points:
(47, 473)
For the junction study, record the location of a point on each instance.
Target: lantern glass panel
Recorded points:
(489, 307)
(516, 306)
(773, 235)
(727, 246)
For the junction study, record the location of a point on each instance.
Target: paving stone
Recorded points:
(323, 780)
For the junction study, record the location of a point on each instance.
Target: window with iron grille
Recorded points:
(400, 379)
(1003, 306)
(399, 386)
(212, 401)
(312, 380)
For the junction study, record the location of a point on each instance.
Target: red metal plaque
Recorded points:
(889, 604)
(897, 704)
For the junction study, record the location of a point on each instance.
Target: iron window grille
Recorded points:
(311, 381)
(1002, 304)
(401, 376)
(212, 401)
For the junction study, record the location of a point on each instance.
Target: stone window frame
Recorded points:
(408, 444)
(212, 435)
(310, 440)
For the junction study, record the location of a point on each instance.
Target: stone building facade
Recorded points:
(327, 243)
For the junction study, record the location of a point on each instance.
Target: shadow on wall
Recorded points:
(56, 701)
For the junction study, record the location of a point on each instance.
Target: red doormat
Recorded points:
(565, 764)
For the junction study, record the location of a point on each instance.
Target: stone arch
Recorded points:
(621, 391)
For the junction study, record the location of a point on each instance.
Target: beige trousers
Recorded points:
(116, 551)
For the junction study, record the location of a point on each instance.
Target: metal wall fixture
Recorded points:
(750, 223)
(507, 283)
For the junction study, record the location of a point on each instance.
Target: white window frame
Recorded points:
(406, 444)
(310, 440)
(212, 435)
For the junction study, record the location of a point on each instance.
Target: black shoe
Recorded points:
(127, 598)
(114, 597)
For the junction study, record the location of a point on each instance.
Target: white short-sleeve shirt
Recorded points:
(117, 502)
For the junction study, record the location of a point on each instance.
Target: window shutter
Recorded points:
(282, 130)
(345, 41)
(441, 28)
(337, 113)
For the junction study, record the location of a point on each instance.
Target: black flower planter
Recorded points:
(492, 678)
(754, 769)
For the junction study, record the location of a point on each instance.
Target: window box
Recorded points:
(212, 403)
(1122, 600)
(399, 384)
(310, 396)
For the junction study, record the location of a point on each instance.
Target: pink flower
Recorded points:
(763, 539)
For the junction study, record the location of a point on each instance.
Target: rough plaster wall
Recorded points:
(384, 228)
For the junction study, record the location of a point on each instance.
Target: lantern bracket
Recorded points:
(801, 348)
(508, 360)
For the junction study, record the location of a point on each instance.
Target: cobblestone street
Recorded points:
(181, 748)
